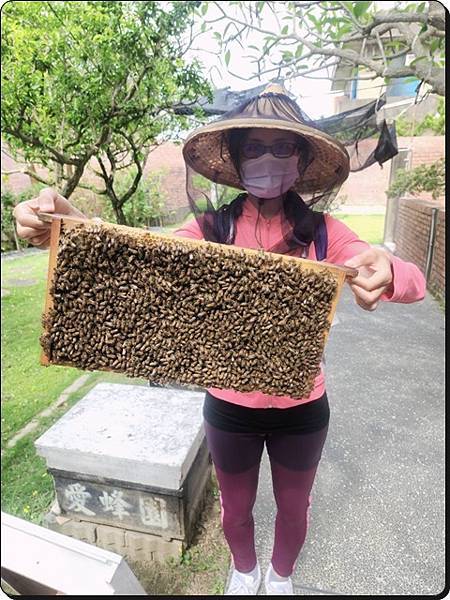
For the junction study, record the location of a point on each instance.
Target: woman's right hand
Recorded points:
(30, 227)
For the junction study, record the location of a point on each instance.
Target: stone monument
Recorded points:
(131, 469)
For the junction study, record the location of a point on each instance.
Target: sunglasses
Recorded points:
(279, 149)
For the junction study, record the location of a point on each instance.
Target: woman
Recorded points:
(266, 148)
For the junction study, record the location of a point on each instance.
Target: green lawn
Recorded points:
(27, 488)
(369, 228)
(28, 387)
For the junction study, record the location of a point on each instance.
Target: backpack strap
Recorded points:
(226, 217)
(320, 236)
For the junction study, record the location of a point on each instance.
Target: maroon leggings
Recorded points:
(294, 459)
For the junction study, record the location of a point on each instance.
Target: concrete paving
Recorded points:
(377, 517)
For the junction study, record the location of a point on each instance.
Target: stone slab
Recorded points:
(133, 433)
(21, 282)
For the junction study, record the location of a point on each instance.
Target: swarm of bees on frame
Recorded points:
(171, 311)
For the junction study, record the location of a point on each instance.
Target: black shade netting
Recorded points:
(366, 139)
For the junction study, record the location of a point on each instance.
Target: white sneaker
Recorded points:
(243, 584)
(277, 588)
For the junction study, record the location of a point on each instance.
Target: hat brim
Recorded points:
(205, 150)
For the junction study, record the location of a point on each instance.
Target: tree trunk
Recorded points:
(31, 171)
(16, 239)
(71, 184)
(120, 215)
(59, 174)
(117, 206)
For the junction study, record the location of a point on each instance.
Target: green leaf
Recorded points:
(316, 22)
(360, 8)
(204, 8)
(227, 57)
(298, 50)
(285, 30)
(435, 44)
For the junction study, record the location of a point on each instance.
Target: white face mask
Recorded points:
(268, 176)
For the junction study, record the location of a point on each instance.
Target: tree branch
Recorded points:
(32, 174)
(59, 157)
(352, 17)
(72, 183)
(138, 175)
(91, 188)
(392, 18)
(423, 67)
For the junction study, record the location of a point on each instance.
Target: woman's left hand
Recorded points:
(374, 277)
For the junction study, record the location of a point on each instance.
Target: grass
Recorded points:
(28, 387)
(369, 228)
(27, 489)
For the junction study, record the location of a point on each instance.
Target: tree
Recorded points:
(314, 35)
(96, 79)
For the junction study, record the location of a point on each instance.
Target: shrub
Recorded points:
(424, 178)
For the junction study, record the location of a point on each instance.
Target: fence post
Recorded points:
(390, 221)
(431, 240)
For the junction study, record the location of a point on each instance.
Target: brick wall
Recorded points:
(412, 235)
(368, 187)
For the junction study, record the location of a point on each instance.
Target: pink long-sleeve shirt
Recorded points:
(408, 283)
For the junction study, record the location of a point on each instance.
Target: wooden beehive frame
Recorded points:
(339, 273)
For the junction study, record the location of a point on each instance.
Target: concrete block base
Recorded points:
(132, 545)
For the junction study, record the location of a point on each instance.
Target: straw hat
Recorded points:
(206, 152)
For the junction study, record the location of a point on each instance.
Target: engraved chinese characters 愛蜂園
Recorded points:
(142, 510)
